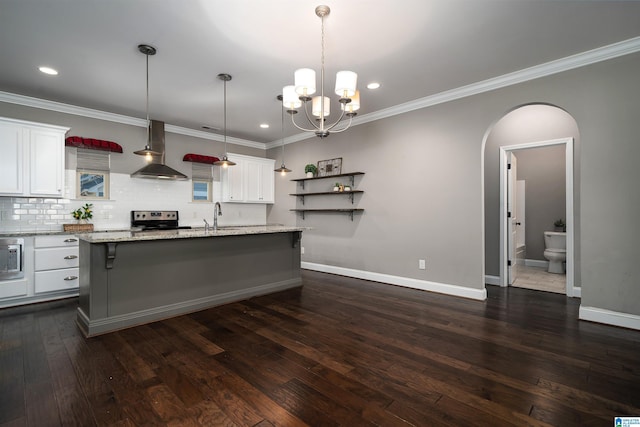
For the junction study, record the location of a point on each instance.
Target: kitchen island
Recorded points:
(130, 278)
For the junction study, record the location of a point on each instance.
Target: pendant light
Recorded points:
(282, 169)
(225, 162)
(147, 151)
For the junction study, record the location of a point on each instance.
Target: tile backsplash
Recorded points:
(27, 214)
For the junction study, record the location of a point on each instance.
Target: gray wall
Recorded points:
(424, 185)
(543, 170)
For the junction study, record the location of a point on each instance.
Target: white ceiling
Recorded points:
(414, 48)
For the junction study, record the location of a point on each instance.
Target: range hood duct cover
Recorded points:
(157, 169)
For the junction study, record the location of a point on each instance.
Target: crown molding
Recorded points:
(582, 59)
(44, 104)
(593, 56)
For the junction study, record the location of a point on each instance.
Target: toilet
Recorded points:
(555, 244)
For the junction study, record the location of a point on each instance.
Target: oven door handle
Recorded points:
(71, 257)
(70, 240)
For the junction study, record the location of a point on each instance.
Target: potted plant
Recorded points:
(83, 214)
(310, 170)
(336, 187)
(560, 225)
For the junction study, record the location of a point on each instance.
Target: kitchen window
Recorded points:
(201, 182)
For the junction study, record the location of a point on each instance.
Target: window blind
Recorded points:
(93, 160)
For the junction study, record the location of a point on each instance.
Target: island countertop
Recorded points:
(133, 236)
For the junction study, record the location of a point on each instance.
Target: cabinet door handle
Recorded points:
(71, 257)
(70, 240)
(68, 278)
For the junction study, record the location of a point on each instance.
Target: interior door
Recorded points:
(512, 220)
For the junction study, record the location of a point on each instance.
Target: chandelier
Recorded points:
(305, 85)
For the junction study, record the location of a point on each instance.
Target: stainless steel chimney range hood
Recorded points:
(157, 169)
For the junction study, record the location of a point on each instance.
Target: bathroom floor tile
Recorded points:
(539, 279)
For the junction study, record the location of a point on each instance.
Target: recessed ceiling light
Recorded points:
(373, 85)
(264, 126)
(48, 70)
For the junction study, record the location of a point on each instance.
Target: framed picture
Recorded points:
(330, 167)
(92, 185)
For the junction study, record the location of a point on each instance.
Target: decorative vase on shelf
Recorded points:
(309, 174)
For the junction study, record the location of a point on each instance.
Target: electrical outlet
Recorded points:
(422, 264)
(302, 250)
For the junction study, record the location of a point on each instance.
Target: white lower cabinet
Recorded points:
(251, 180)
(56, 263)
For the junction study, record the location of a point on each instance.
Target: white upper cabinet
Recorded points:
(251, 180)
(31, 159)
(12, 156)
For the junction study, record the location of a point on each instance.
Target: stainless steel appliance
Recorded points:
(155, 220)
(11, 258)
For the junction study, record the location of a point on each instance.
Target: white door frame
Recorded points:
(568, 142)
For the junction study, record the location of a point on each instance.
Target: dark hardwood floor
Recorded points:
(337, 351)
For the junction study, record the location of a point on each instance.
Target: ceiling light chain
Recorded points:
(225, 162)
(147, 151)
(305, 86)
(282, 169)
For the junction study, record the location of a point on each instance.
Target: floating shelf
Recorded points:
(347, 211)
(352, 175)
(328, 193)
(350, 193)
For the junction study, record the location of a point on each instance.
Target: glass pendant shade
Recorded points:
(346, 83)
(316, 107)
(291, 101)
(354, 105)
(305, 81)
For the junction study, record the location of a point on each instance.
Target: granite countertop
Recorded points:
(134, 236)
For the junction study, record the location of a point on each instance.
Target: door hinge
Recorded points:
(509, 263)
(508, 165)
(508, 214)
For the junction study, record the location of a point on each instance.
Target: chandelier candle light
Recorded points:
(305, 86)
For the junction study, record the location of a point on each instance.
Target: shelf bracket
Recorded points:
(111, 254)
(351, 216)
(351, 197)
(296, 236)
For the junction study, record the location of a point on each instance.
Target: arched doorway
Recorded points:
(527, 126)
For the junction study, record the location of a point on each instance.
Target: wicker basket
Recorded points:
(78, 228)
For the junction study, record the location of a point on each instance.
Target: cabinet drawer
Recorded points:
(56, 258)
(60, 240)
(57, 280)
(13, 288)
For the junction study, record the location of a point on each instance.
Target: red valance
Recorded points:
(94, 144)
(199, 158)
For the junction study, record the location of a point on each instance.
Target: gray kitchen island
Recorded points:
(131, 278)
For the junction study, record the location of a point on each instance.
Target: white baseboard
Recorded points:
(442, 288)
(536, 263)
(609, 317)
(492, 280)
(576, 292)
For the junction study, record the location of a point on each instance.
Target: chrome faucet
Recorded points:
(217, 210)
(206, 226)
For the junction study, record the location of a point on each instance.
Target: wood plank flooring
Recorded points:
(337, 351)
